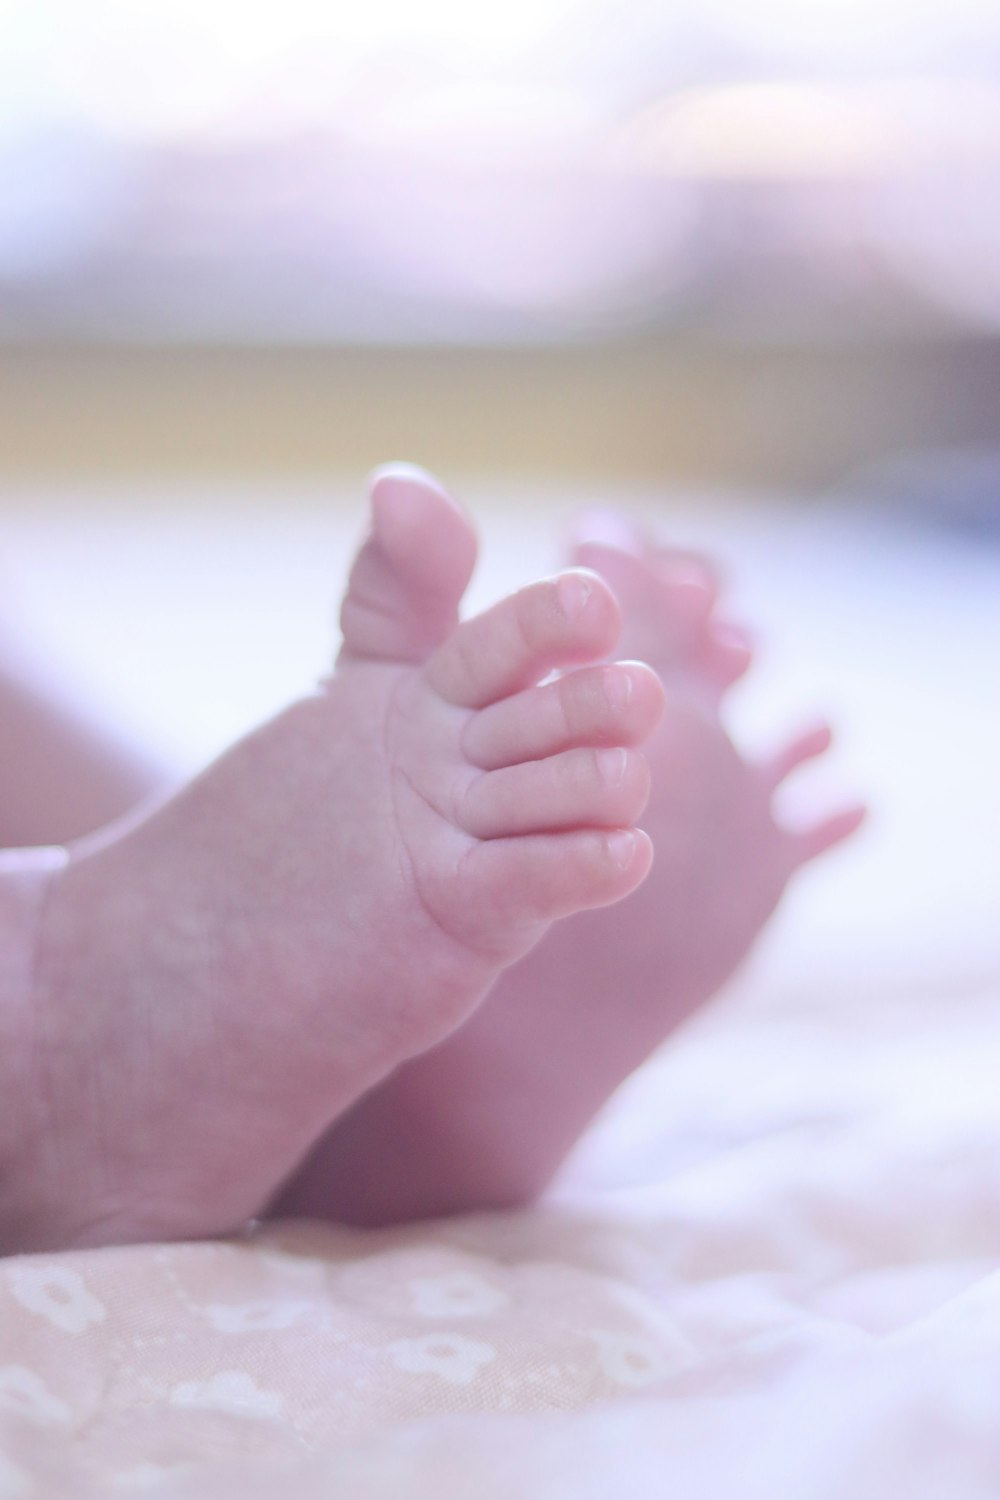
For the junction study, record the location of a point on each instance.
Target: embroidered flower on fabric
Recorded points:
(148, 1478)
(26, 1395)
(457, 1294)
(14, 1482)
(628, 1359)
(266, 1313)
(57, 1293)
(232, 1391)
(451, 1356)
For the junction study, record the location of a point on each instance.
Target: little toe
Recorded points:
(522, 882)
(809, 745)
(558, 622)
(619, 703)
(577, 789)
(807, 844)
(412, 569)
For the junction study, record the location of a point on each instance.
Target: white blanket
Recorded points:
(773, 1273)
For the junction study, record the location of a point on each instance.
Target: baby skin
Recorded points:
(192, 996)
(484, 1120)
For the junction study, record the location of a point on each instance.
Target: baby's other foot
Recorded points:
(712, 809)
(216, 983)
(485, 1119)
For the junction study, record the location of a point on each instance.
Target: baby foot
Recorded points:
(485, 1119)
(215, 983)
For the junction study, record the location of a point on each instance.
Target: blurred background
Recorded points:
(734, 265)
(698, 239)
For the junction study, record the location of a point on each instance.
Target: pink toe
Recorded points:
(558, 622)
(428, 536)
(727, 655)
(583, 788)
(411, 570)
(617, 703)
(533, 880)
(811, 843)
(804, 747)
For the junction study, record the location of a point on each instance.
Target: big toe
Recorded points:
(667, 598)
(411, 570)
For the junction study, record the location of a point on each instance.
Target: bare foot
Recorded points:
(484, 1120)
(216, 983)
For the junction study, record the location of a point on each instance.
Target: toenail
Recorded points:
(573, 591)
(618, 688)
(612, 765)
(621, 847)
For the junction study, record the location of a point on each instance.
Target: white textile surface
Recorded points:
(794, 1290)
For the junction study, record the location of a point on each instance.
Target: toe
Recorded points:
(667, 604)
(616, 704)
(811, 843)
(523, 882)
(683, 565)
(618, 531)
(412, 569)
(726, 656)
(578, 789)
(559, 622)
(804, 747)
